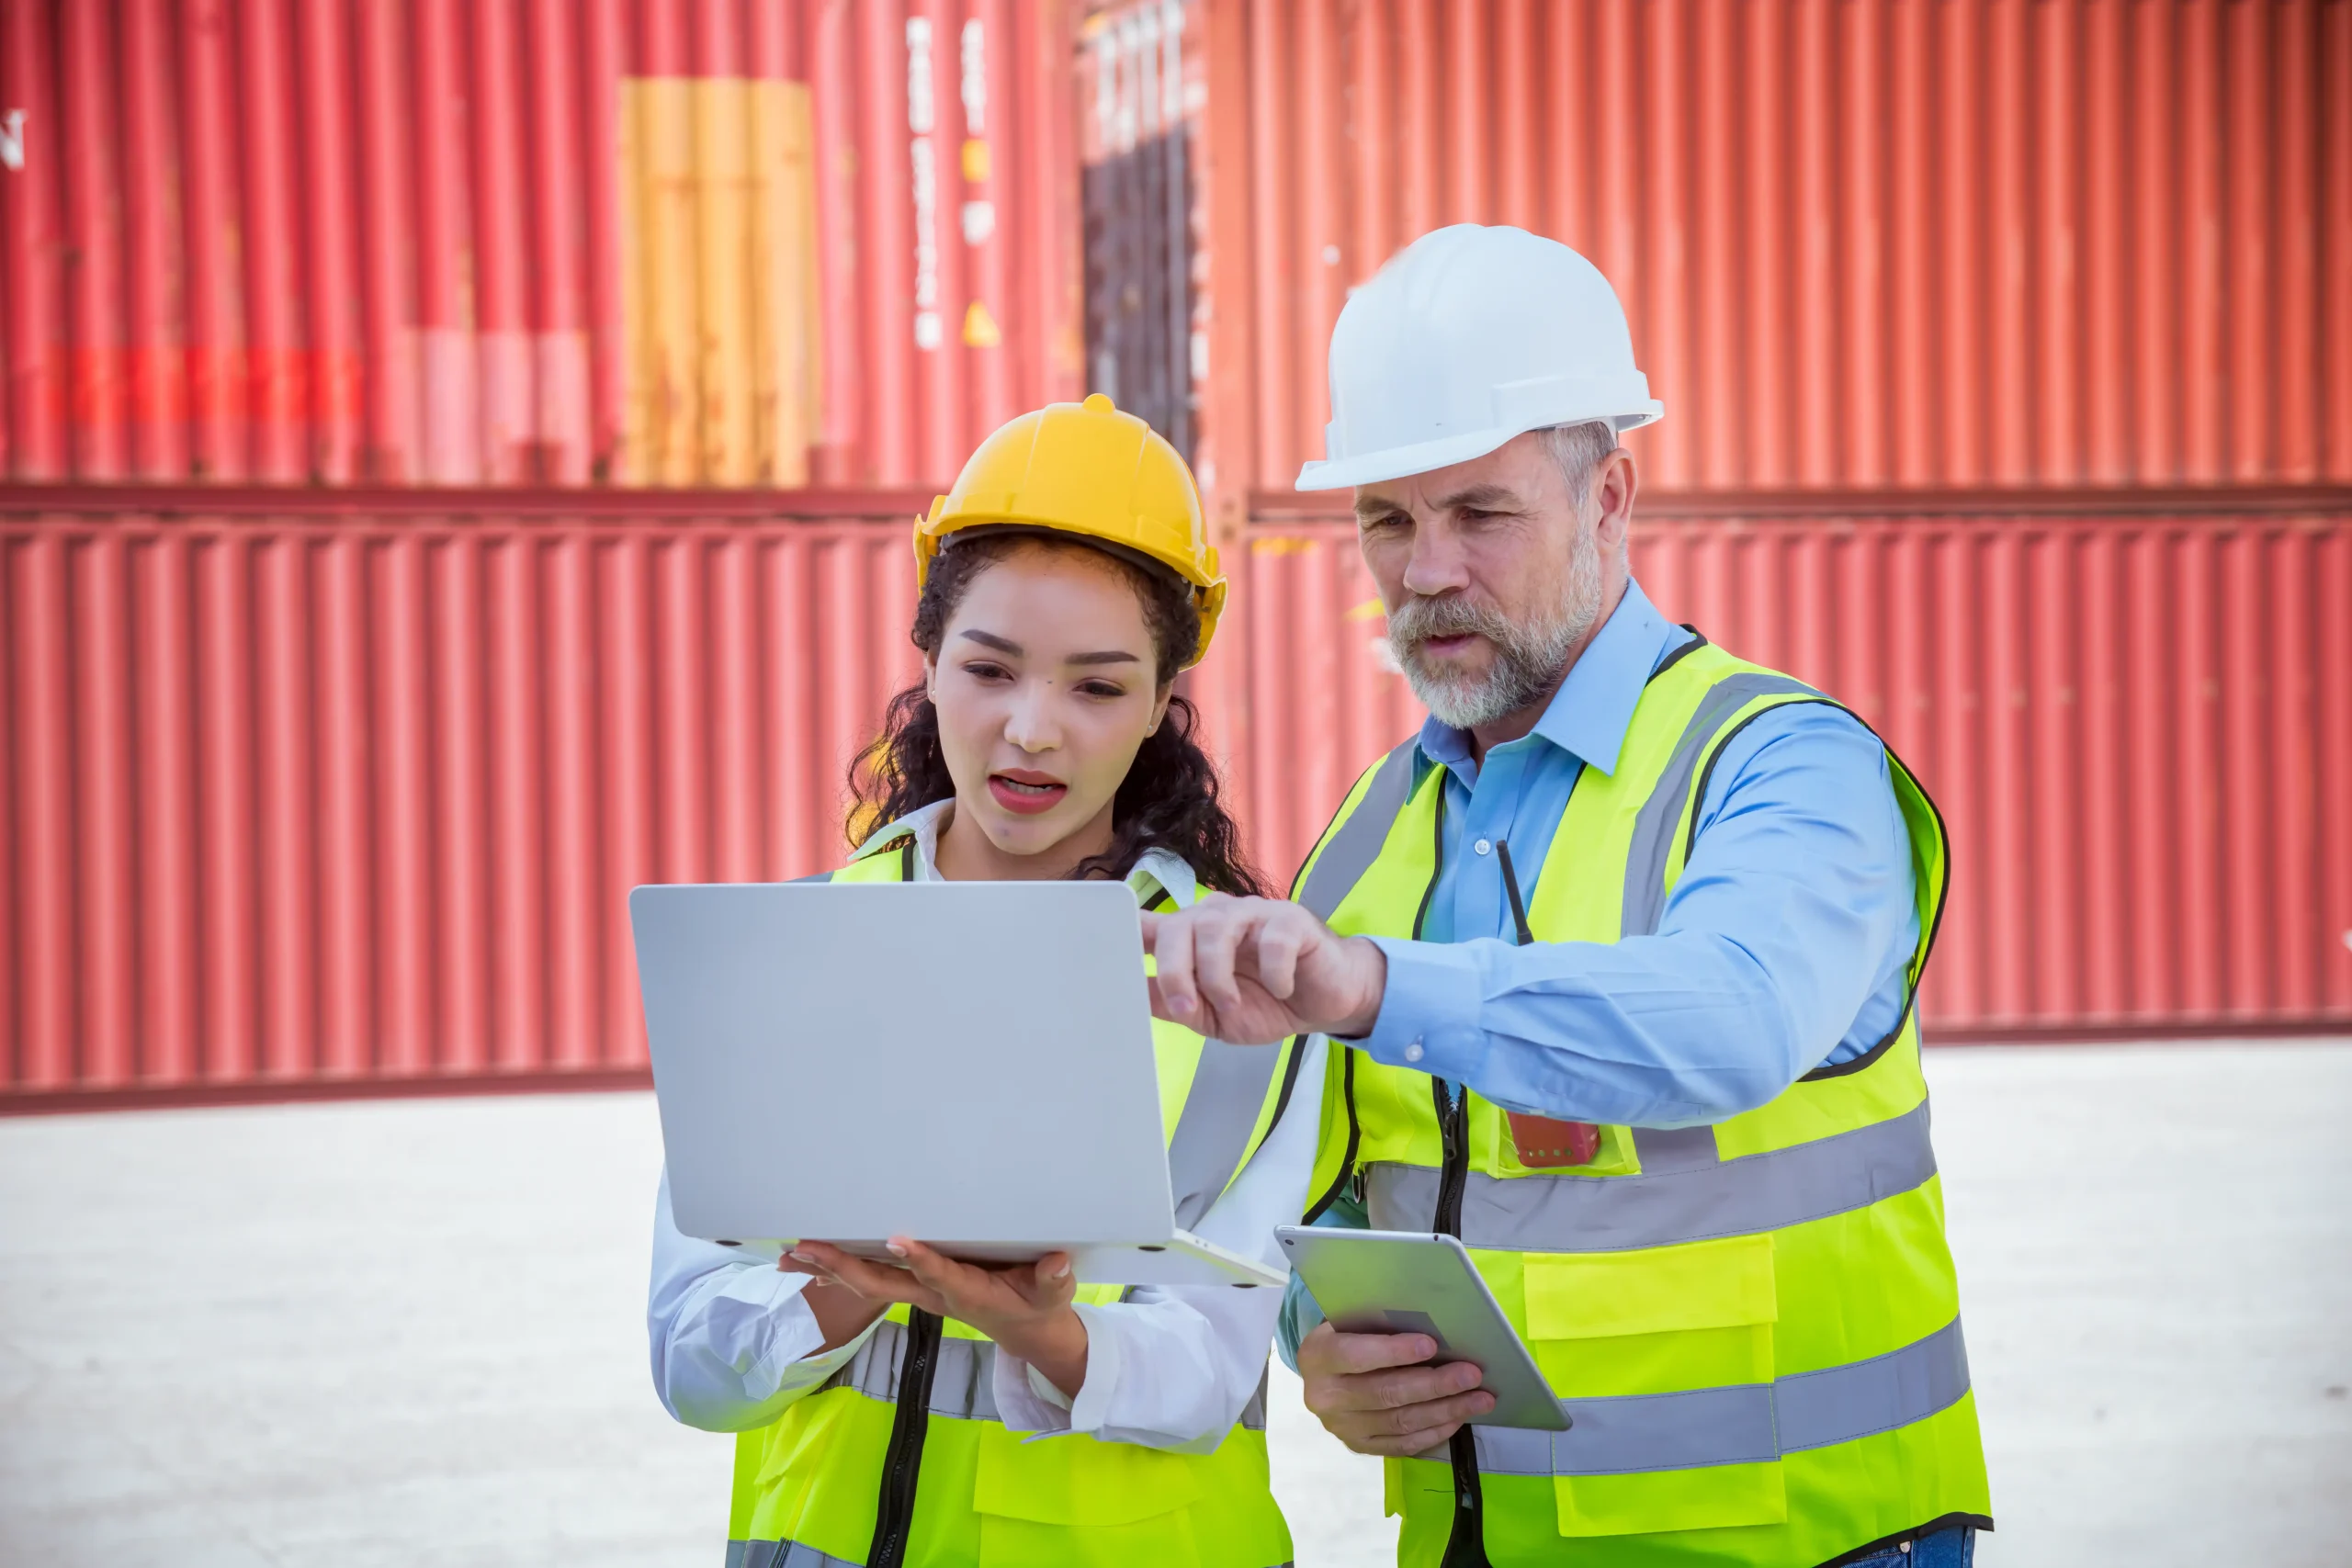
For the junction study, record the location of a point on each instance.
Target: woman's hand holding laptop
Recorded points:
(1025, 1307)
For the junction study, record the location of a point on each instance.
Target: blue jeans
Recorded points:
(1953, 1548)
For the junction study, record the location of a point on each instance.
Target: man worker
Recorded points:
(1624, 946)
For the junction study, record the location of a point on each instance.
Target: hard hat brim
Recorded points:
(1397, 462)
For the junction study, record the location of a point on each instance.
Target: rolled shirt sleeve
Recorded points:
(1789, 933)
(733, 1345)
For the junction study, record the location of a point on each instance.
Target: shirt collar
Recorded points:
(922, 825)
(1589, 715)
(1155, 870)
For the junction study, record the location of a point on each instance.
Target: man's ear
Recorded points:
(1613, 488)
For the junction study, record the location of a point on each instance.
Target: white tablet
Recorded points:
(1406, 1282)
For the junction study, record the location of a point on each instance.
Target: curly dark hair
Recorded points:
(1169, 799)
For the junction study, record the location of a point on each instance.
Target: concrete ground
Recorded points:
(381, 1334)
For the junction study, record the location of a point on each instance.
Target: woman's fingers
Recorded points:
(953, 1281)
(1050, 1281)
(875, 1281)
(978, 1291)
(814, 1258)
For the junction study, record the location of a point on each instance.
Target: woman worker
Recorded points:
(1064, 582)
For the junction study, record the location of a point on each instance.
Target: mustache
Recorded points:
(1450, 614)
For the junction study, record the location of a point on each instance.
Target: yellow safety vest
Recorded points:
(1755, 1325)
(854, 1473)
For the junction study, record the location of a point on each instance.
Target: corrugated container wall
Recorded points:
(2004, 346)
(310, 791)
(530, 242)
(2007, 352)
(2138, 728)
(1893, 243)
(315, 792)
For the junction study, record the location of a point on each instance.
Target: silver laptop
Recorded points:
(970, 1064)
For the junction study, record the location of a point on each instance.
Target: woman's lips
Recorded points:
(1025, 797)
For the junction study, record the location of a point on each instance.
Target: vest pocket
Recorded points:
(1715, 1499)
(1075, 1480)
(1658, 1321)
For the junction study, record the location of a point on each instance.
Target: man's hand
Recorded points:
(1373, 1392)
(1025, 1307)
(1256, 971)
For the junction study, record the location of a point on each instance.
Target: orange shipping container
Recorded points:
(530, 242)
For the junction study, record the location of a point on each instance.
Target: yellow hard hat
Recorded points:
(1088, 470)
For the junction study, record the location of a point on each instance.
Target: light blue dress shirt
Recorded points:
(1782, 948)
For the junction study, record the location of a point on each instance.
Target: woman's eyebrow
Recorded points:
(1108, 656)
(990, 640)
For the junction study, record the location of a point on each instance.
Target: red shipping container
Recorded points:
(2134, 718)
(1892, 243)
(331, 787)
(531, 241)
(310, 791)
(319, 790)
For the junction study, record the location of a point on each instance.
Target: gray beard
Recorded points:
(1529, 658)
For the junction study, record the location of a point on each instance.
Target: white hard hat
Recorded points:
(1468, 337)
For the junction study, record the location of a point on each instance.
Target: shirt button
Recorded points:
(1483, 847)
(1413, 1051)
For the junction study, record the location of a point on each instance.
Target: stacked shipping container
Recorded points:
(1978, 261)
(2008, 372)
(530, 242)
(1923, 244)
(331, 787)
(353, 785)
(2136, 725)
(2006, 349)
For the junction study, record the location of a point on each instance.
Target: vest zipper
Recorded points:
(894, 1511)
(1453, 1175)
(1466, 1544)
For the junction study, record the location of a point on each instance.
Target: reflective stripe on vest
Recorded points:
(1677, 1196)
(1746, 1424)
(963, 1379)
(1653, 827)
(1212, 1138)
(1360, 838)
(792, 1554)
(781, 1554)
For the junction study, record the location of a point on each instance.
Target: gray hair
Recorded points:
(1580, 449)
